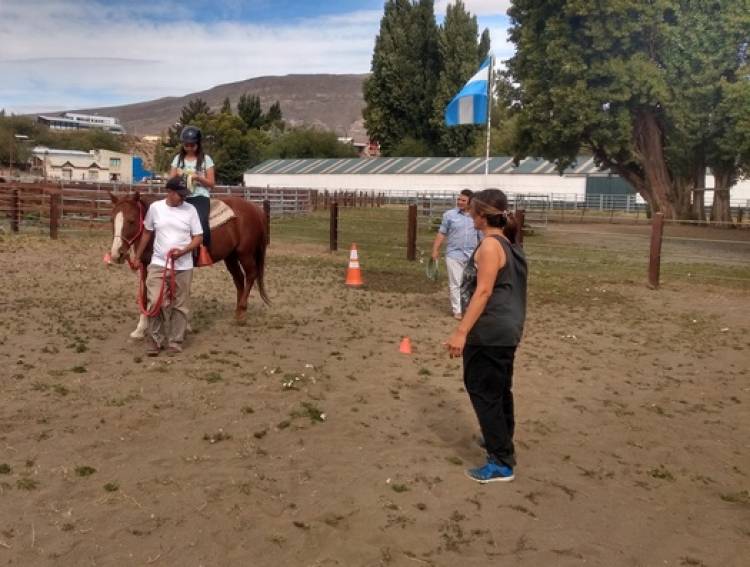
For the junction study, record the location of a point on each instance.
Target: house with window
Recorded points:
(95, 166)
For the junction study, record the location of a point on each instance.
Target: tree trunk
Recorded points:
(720, 209)
(649, 148)
(698, 211)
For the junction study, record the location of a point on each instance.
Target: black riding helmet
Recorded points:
(191, 135)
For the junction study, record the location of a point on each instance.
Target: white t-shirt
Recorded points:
(173, 227)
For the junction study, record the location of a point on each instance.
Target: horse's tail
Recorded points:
(260, 260)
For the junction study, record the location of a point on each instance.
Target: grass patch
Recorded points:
(111, 487)
(84, 471)
(4, 468)
(27, 483)
(310, 411)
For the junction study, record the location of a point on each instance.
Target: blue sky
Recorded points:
(61, 54)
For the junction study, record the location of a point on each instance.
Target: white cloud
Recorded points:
(477, 7)
(67, 53)
(55, 55)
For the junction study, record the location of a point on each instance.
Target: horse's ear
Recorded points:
(114, 198)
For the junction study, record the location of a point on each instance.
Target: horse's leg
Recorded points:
(249, 267)
(233, 265)
(140, 330)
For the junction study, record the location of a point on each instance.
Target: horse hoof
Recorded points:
(137, 334)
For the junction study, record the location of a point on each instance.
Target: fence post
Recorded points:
(54, 214)
(15, 211)
(411, 233)
(520, 216)
(334, 228)
(654, 264)
(267, 214)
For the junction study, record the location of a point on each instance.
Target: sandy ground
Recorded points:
(305, 438)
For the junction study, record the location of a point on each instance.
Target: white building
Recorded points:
(74, 121)
(404, 175)
(99, 166)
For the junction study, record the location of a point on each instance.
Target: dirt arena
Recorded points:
(304, 438)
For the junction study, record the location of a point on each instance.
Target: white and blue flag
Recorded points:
(469, 106)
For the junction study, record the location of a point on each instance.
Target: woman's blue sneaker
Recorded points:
(491, 472)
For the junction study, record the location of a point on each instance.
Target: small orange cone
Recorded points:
(405, 346)
(353, 273)
(107, 258)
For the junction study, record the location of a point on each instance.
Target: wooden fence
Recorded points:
(86, 204)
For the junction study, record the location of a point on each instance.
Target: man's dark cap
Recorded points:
(177, 184)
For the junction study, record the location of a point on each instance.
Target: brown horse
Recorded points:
(240, 242)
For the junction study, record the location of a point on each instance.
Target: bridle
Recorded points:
(130, 241)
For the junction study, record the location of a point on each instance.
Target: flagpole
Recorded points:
(489, 114)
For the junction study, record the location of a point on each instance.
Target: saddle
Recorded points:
(219, 214)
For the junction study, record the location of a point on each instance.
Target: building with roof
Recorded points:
(75, 121)
(408, 175)
(98, 166)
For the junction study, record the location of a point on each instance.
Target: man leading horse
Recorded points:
(176, 229)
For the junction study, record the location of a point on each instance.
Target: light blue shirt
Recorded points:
(188, 168)
(460, 235)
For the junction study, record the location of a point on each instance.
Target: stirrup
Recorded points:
(204, 257)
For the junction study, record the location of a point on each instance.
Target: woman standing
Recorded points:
(493, 300)
(198, 170)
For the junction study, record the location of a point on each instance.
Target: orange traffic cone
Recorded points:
(353, 273)
(405, 346)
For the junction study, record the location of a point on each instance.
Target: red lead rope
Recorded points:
(169, 273)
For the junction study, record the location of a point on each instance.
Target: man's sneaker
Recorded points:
(491, 472)
(174, 349)
(152, 347)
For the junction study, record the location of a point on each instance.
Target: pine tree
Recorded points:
(484, 45)
(459, 54)
(226, 107)
(250, 111)
(405, 65)
(273, 117)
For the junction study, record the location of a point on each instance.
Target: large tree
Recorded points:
(399, 93)
(633, 82)
(460, 59)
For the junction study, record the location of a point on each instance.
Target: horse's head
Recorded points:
(127, 224)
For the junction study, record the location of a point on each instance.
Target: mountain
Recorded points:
(333, 102)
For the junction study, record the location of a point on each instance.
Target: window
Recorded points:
(67, 173)
(93, 174)
(114, 163)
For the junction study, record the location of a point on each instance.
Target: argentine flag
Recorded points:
(469, 106)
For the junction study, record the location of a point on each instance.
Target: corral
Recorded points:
(304, 438)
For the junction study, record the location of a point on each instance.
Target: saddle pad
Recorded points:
(219, 214)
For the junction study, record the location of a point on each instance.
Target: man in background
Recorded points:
(457, 230)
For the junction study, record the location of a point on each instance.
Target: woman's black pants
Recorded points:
(488, 376)
(203, 206)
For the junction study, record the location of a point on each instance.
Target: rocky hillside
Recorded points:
(333, 102)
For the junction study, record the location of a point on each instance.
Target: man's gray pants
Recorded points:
(172, 320)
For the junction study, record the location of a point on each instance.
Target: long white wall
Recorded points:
(386, 183)
(573, 185)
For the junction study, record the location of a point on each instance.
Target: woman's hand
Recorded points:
(456, 343)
